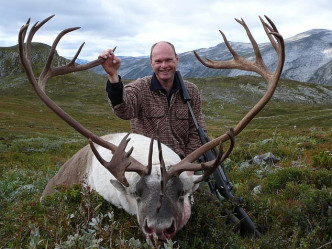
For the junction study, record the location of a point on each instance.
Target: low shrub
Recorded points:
(323, 160)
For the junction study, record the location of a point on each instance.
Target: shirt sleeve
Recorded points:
(115, 92)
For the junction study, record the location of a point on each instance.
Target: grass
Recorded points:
(293, 207)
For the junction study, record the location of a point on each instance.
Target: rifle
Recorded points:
(219, 184)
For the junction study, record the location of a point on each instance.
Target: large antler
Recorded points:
(49, 72)
(238, 62)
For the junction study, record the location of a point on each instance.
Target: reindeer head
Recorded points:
(161, 191)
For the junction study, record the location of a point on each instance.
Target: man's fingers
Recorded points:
(106, 54)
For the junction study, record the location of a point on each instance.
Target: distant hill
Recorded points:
(10, 63)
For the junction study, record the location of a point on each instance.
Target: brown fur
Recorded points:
(72, 172)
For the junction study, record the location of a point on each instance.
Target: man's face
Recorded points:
(164, 62)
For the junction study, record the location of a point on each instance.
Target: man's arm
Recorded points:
(114, 87)
(115, 92)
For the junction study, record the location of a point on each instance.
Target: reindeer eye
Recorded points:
(137, 194)
(139, 189)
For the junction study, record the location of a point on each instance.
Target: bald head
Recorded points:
(162, 44)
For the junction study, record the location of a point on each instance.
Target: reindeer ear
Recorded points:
(188, 183)
(119, 186)
(196, 185)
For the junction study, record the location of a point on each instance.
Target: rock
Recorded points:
(257, 190)
(267, 158)
(262, 160)
(244, 165)
(266, 141)
(23, 189)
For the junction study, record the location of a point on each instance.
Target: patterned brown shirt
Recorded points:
(147, 107)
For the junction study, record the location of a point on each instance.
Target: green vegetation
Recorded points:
(293, 207)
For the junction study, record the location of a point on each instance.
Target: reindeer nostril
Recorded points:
(147, 229)
(170, 231)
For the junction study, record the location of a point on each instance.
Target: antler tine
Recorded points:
(22, 51)
(36, 27)
(49, 72)
(32, 32)
(121, 161)
(228, 45)
(150, 157)
(274, 27)
(269, 30)
(135, 165)
(253, 43)
(211, 166)
(22, 34)
(164, 174)
(274, 35)
(187, 165)
(72, 62)
(115, 166)
(229, 64)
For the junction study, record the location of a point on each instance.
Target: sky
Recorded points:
(135, 25)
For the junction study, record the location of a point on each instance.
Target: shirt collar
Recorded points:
(156, 86)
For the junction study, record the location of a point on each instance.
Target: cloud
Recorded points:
(135, 25)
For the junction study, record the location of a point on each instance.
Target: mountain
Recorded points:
(308, 59)
(10, 63)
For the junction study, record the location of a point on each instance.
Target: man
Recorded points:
(155, 101)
